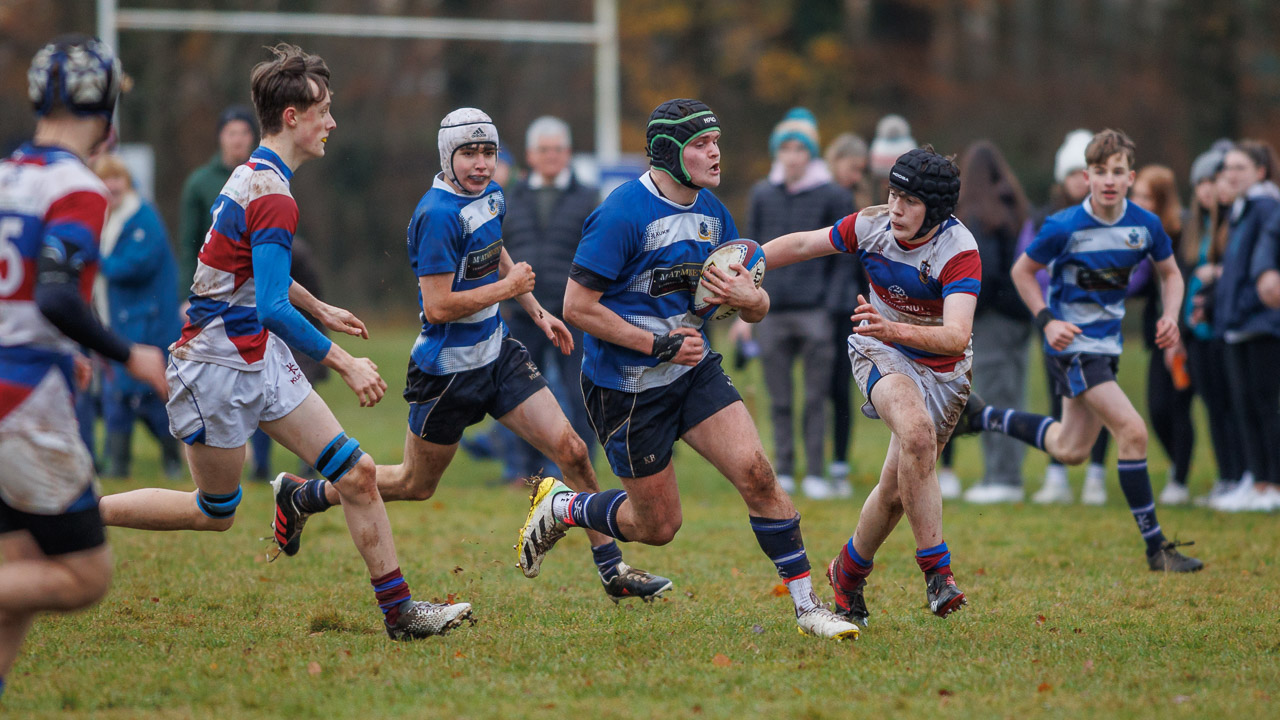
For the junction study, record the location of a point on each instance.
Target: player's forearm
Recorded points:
(796, 247)
(756, 313)
(1172, 287)
(945, 339)
(301, 297)
(1023, 275)
(454, 305)
(599, 321)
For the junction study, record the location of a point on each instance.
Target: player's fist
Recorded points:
(520, 278)
(361, 375)
(691, 349)
(1060, 333)
(146, 363)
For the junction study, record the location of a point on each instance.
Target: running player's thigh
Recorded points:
(1080, 422)
(1111, 406)
(539, 420)
(306, 430)
(215, 470)
(19, 545)
(729, 441)
(899, 402)
(654, 497)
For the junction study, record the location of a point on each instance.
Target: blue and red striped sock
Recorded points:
(393, 593)
(853, 568)
(935, 559)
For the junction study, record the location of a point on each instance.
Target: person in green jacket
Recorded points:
(237, 136)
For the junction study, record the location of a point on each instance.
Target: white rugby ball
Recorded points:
(746, 252)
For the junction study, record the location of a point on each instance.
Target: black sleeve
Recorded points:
(58, 297)
(589, 279)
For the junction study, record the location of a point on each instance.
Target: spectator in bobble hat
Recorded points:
(893, 138)
(798, 195)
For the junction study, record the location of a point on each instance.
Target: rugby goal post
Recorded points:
(602, 33)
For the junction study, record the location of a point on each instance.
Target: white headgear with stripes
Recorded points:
(464, 126)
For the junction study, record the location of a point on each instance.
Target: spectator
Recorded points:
(1204, 242)
(141, 280)
(893, 138)
(995, 209)
(237, 136)
(1169, 385)
(846, 157)
(1071, 185)
(798, 195)
(1250, 329)
(543, 225)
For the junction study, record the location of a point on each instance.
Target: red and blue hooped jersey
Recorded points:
(910, 284)
(254, 207)
(47, 198)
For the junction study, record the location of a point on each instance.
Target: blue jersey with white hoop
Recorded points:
(461, 235)
(651, 251)
(1089, 264)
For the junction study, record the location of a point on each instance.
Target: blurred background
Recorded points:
(1174, 74)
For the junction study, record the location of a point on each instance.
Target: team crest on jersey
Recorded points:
(482, 262)
(1134, 240)
(704, 231)
(493, 204)
(665, 281)
(925, 272)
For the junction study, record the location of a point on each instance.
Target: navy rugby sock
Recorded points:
(310, 497)
(781, 540)
(1030, 428)
(1136, 485)
(597, 511)
(607, 557)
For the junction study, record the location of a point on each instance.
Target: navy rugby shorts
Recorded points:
(1073, 374)
(638, 430)
(442, 406)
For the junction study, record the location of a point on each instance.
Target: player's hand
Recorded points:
(1167, 335)
(146, 363)
(520, 278)
(1060, 333)
(868, 321)
(339, 320)
(738, 290)
(361, 375)
(691, 349)
(555, 331)
(83, 372)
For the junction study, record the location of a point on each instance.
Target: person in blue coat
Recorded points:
(138, 279)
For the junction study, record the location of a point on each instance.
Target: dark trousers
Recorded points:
(1170, 411)
(841, 387)
(1255, 398)
(1207, 362)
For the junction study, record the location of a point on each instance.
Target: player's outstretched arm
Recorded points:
(331, 316)
(1172, 287)
(798, 246)
(1057, 333)
(583, 309)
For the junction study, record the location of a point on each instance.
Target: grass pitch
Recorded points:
(1063, 618)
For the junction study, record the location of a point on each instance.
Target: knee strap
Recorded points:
(338, 457)
(218, 507)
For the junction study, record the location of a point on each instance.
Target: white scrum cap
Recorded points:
(464, 126)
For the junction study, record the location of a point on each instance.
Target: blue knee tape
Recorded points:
(218, 507)
(338, 457)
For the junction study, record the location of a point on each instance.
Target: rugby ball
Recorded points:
(746, 252)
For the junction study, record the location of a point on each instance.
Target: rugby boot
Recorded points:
(943, 595)
(970, 421)
(424, 619)
(822, 622)
(541, 528)
(849, 604)
(1168, 559)
(634, 582)
(289, 520)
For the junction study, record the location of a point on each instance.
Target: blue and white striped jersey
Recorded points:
(1089, 263)
(461, 235)
(652, 250)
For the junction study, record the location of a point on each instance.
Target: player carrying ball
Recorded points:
(910, 351)
(648, 377)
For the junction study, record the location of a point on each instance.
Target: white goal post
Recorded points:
(602, 33)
